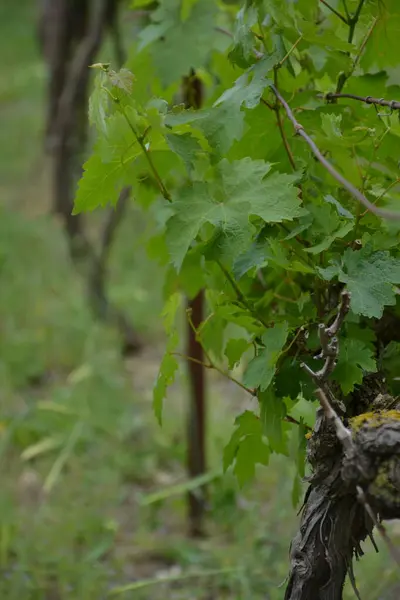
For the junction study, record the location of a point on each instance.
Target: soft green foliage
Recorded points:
(93, 531)
(261, 369)
(244, 209)
(355, 358)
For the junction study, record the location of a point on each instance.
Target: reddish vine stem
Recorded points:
(392, 104)
(299, 129)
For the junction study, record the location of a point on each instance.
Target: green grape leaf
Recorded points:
(119, 142)
(343, 212)
(273, 411)
(100, 183)
(240, 189)
(234, 350)
(169, 364)
(98, 104)
(254, 257)
(369, 277)
(261, 369)
(211, 333)
(341, 232)
(250, 86)
(191, 276)
(185, 45)
(242, 54)
(185, 146)
(354, 359)
(251, 450)
(296, 490)
(325, 38)
(221, 125)
(170, 310)
(381, 50)
(122, 79)
(246, 447)
(166, 376)
(186, 8)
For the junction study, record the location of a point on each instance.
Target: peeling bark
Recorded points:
(334, 522)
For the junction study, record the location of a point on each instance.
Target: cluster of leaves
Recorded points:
(243, 208)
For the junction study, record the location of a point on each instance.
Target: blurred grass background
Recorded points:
(80, 450)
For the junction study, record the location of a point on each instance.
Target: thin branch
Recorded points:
(335, 174)
(289, 52)
(392, 104)
(140, 141)
(211, 365)
(223, 31)
(358, 11)
(342, 433)
(280, 126)
(329, 342)
(334, 11)
(290, 419)
(364, 43)
(284, 140)
(346, 10)
(344, 308)
(389, 187)
(352, 22)
(267, 104)
(240, 296)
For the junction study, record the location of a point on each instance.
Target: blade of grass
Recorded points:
(180, 488)
(137, 585)
(62, 458)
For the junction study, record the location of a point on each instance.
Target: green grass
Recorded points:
(79, 446)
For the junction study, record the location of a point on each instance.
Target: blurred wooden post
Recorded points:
(192, 89)
(196, 426)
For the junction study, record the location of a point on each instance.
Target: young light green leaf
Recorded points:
(221, 125)
(169, 363)
(273, 411)
(261, 369)
(177, 46)
(254, 257)
(251, 450)
(246, 447)
(355, 358)
(250, 86)
(246, 424)
(100, 183)
(234, 350)
(122, 79)
(340, 233)
(369, 277)
(170, 310)
(98, 104)
(166, 375)
(242, 54)
(186, 146)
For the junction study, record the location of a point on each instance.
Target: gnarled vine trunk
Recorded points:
(334, 522)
